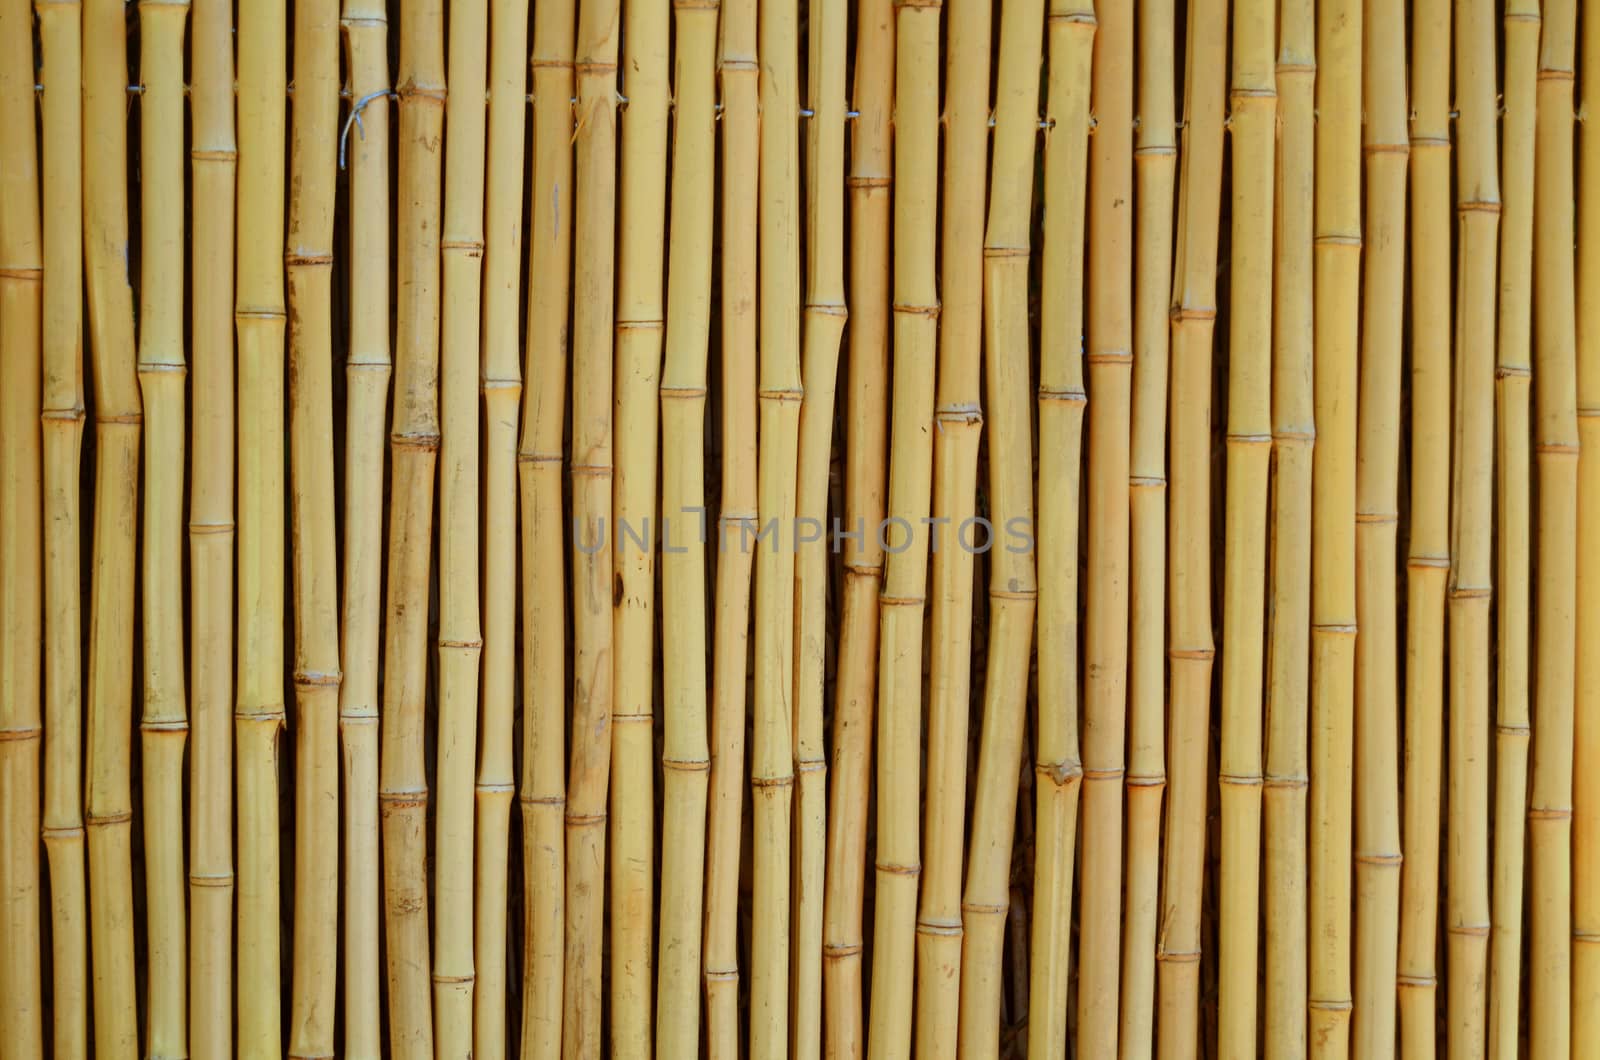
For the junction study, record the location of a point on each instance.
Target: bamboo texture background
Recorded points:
(492, 529)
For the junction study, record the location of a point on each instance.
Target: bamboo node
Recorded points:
(929, 311)
(485, 788)
(539, 458)
(414, 441)
(1249, 441)
(1588, 412)
(695, 5)
(1508, 729)
(835, 951)
(164, 725)
(63, 832)
(873, 571)
(1072, 18)
(1329, 1005)
(543, 800)
(827, 309)
(1556, 449)
(585, 820)
(1147, 482)
(1193, 654)
(312, 1056)
(640, 325)
(1392, 861)
(939, 928)
(472, 247)
(1287, 782)
(1153, 780)
(1557, 75)
(1109, 357)
(686, 765)
(722, 976)
(1377, 518)
(1064, 395)
(199, 154)
(1479, 206)
(259, 314)
(162, 368)
(1102, 774)
(985, 908)
(1429, 142)
(1013, 594)
(1402, 148)
(1416, 982)
(314, 679)
(1240, 780)
(1183, 312)
(1586, 938)
(1513, 371)
(1550, 813)
(205, 529)
(550, 64)
(1468, 931)
(72, 415)
(890, 868)
(590, 470)
(785, 780)
(1062, 773)
(1428, 563)
(210, 879)
(469, 645)
(100, 820)
(1334, 629)
(1001, 253)
(968, 413)
(1166, 956)
(448, 980)
(887, 600)
(810, 765)
(1338, 240)
(1474, 593)
(593, 66)
(1155, 151)
(683, 393)
(618, 718)
(926, 4)
(1293, 69)
(869, 182)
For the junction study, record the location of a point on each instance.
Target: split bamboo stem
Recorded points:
(1191, 647)
(1249, 447)
(543, 540)
(1467, 796)
(61, 118)
(1016, 595)
(1155, 159)
(367, 370)
(1555, 434)
(591, 473)
(164, 726)
(414, 449)
(866, 442)
(1284, 786)
(901, 605)
(502, 393)
(958, 423)
(823, 323)
(1377, 855)
(308, 263)
(1428, 561)
(1513, 382)
(213, 162)
(1105, 644)
(641, 220)
(460, 642)
(686, 755)
(108, 796)
(260, 322)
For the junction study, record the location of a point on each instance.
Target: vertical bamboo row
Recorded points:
(958, 422)
(1191, 646)
(118, 410)
(61, 118)
(164, 726)
(414, 449)
(685, 755)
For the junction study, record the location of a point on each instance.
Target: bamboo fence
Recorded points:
(964, 528)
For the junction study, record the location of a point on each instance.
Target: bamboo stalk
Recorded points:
(685, 754)
(539, 467)
(641, 219)
(866, 441)
(1478, 204)
(1285, 784)
(308, 263)
(414, 444)
(1428, 561)
(213, 160)
(1377, 751)
(460, 634)
(1190, 649)
(21, 529)
(164, 725)
(502, 392)
(1555, 433)
(367, 372)
(823, 323)
(61, 118)
(118, 410)
(958, 422)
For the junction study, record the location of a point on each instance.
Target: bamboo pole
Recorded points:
(1249, 448)
(591, 471)
(308, 263)
(414, 444)
(641, 231)
(1428, 560)
(367, 370)
(164, 724)
(685, 754)
(1478, 204)
(1555, 433)
(1191, 648)
(865, 458)
(502, 392)
(958, 422)
(61, 119)
(1155, 160)
(1377, 707)
(1285, 783)
(460, 633)
(213, 161)
(823, 327)
(539, 467)
(118, 410)
(916, 320)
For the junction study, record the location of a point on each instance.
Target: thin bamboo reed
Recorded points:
(118, 410)
(1467, 796)
(414, 448)
(1555, 435)
(1284, 786)
(1191, 647)
(958, 422)
(502, 393)
(164, 726)
(213, 162)
(367, 369)
(61, 120)
(685, 753)
(1428, 559)
(539, 467)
